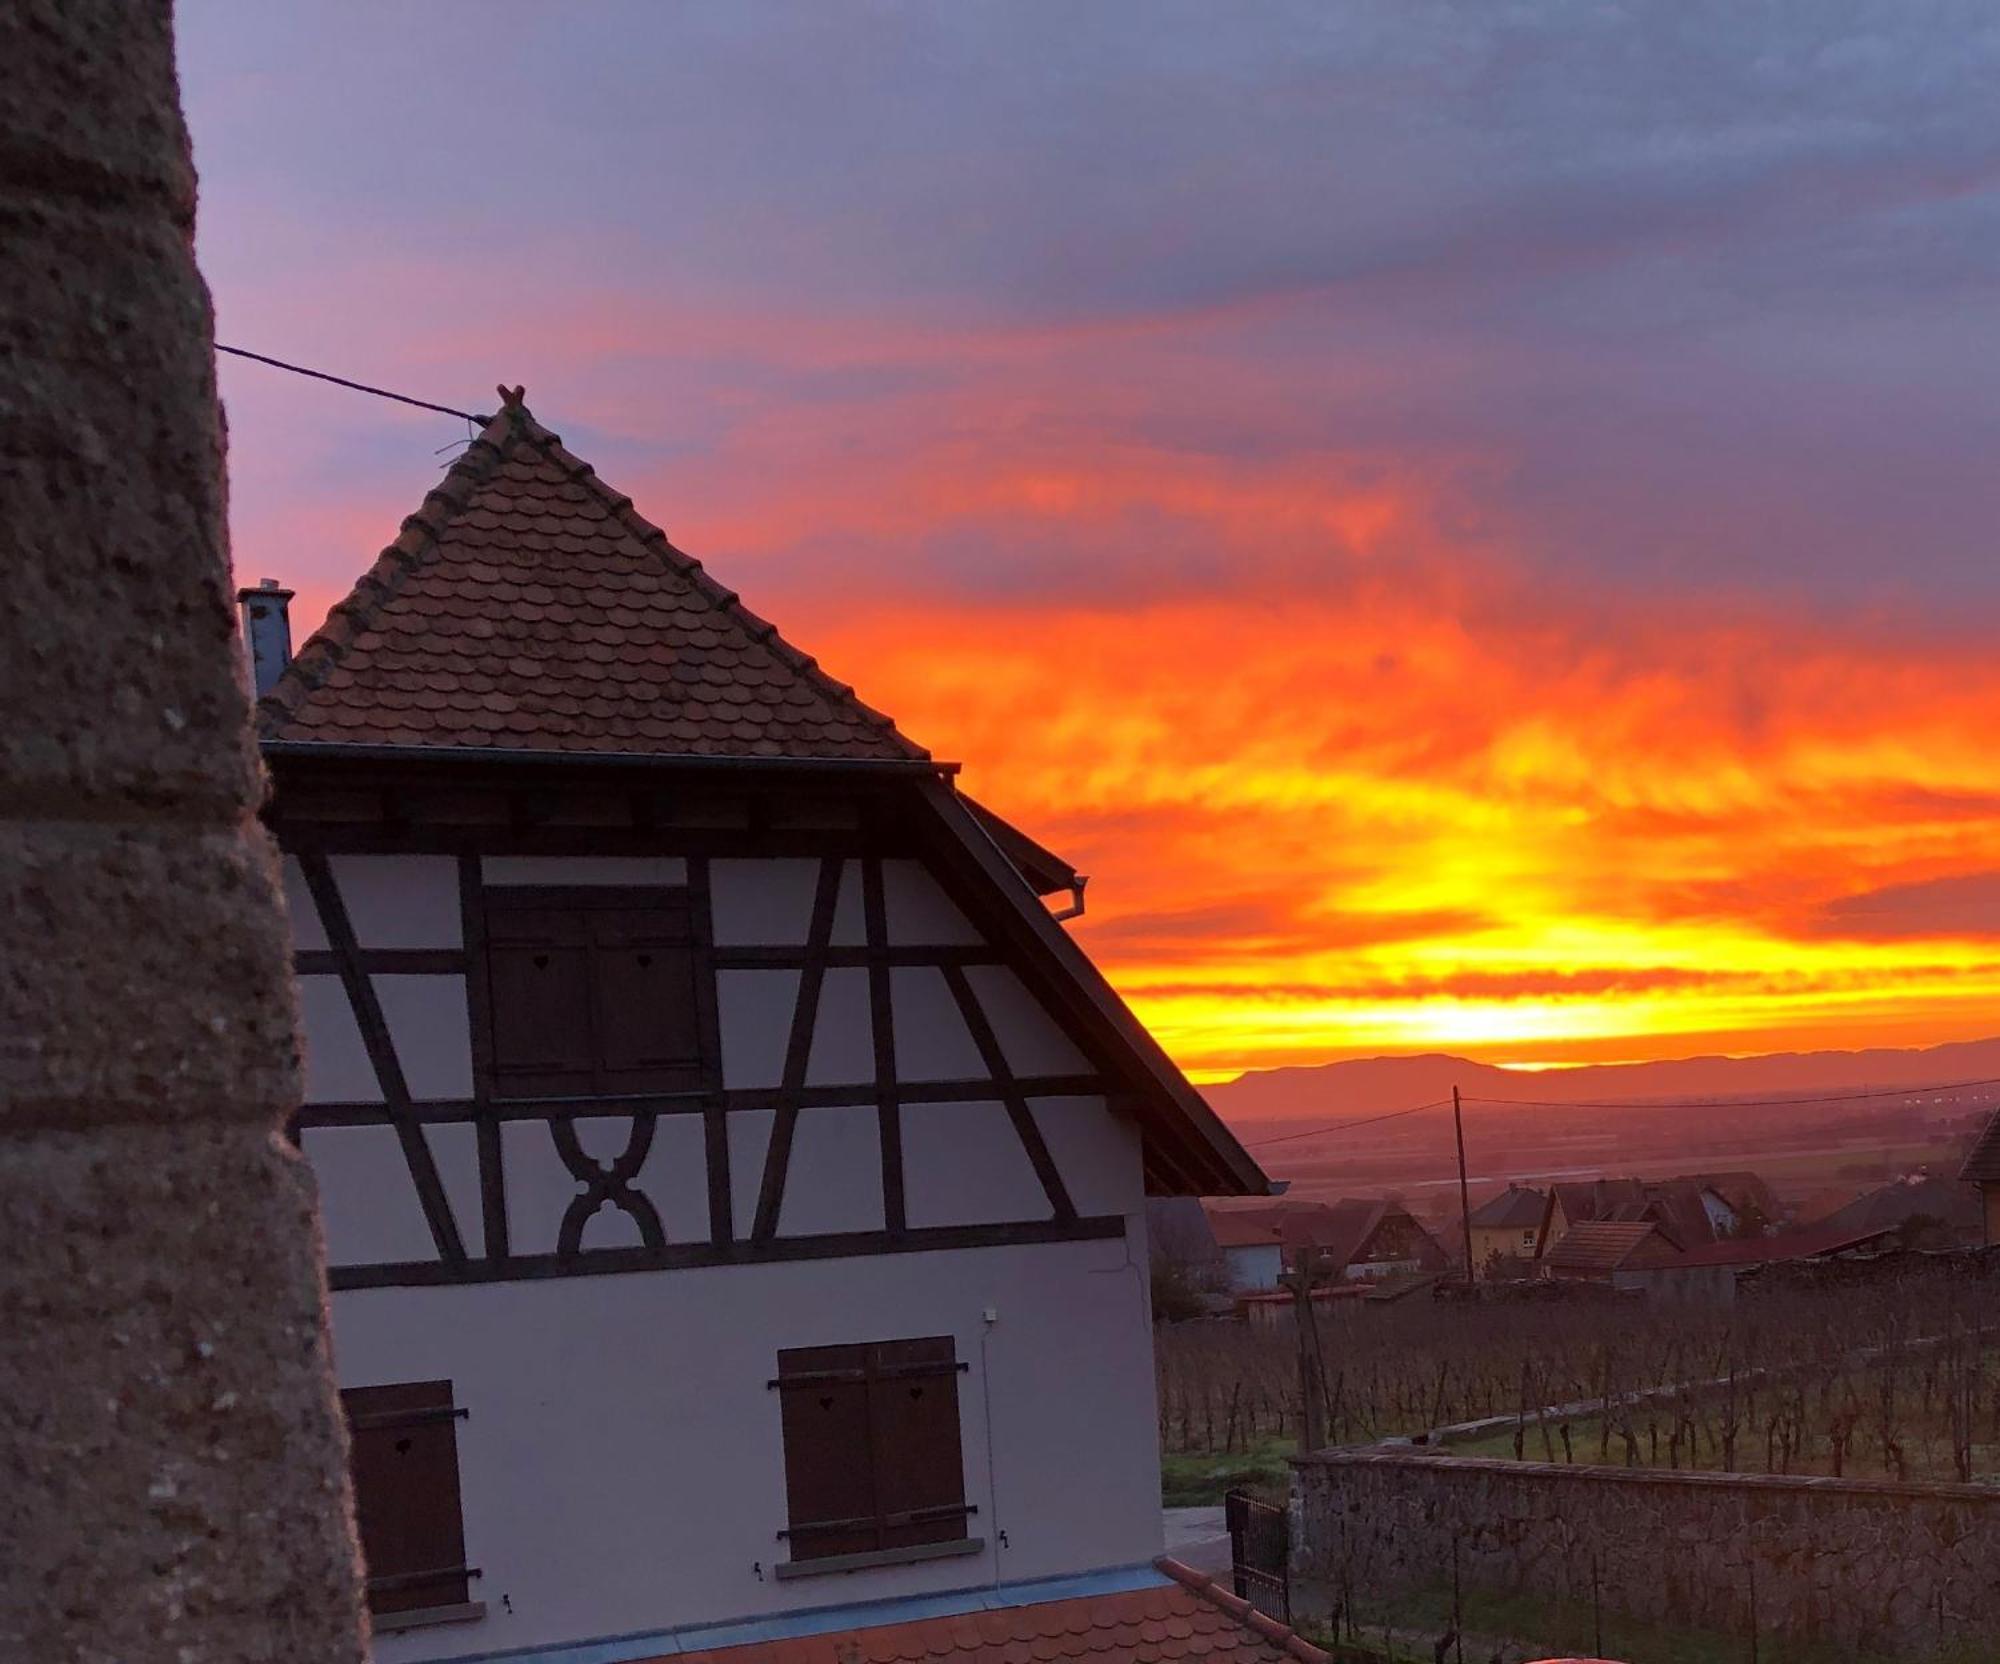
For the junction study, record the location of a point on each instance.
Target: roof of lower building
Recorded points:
(1185, 1616)
(1805, 1244)
(527, 606)
(1923, 1195)
(1233, 1228)
(1609, 1245)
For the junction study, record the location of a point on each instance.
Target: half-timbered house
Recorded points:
(733, 1174)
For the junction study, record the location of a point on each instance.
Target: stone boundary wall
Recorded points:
(1895, 1567)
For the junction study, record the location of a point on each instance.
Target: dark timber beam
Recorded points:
(382, 1055)
(798, 1053)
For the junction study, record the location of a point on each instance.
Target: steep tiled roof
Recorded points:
(1609, 1245)
(1190, 1617)
(1233, 1228)
(526, 606)
(1888, 1206)
(1339, 1230)
(1514, 1209)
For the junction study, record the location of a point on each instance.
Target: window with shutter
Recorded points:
(873, 1463)
(593, 991)
(403, 1451)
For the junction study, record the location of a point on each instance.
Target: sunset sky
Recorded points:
(1474, 523)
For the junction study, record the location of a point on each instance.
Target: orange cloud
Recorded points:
(1326, 826)
(1350, 770)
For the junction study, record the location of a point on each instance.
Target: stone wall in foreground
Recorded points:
(1894, 1567)
(172, 1464)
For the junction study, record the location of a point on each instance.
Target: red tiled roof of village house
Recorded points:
(1609, 1245)
(1515, 1208)
(1191, 1617)
(1236, 1228)
(526, 606)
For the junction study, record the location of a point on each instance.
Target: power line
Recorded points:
(342, 381)
(1735, 1103)
(1346, 1126)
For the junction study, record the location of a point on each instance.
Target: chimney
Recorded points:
(267, 632)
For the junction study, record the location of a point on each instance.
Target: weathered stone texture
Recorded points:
(171, 1468)
(171, 1458)
(142, 979)
(118, 678)
(1889, 1567)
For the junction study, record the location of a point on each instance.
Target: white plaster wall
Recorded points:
(834, 1181)
(843, 1044)
(368, 1205)
(400, 901)
(337, 1066)
(622, 1468)
(306, 931)
(918, 913)
(1029, 1037)
(1098, 1152)
(963, 1164)
(932, 1041)
(762, 903)
(850, 925)
(754, 1011)
(429, 1027)
(749, 1143)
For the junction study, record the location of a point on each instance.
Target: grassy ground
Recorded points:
(1190, 1479)
(1517, 1627)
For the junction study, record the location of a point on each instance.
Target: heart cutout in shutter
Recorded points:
(541, 961)
(645, 961)
(826, 1403)
(916, 1392)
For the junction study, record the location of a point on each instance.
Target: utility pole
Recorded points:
(1312, 1379)
(1464, 1194)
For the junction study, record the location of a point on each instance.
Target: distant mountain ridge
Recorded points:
(1362, 1085)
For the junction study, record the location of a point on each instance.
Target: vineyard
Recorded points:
(1898, 1380)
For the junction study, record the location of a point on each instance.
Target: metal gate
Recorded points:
(1260, 1537)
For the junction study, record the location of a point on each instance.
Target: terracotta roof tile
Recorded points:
(1191, 1617)
(525, 605)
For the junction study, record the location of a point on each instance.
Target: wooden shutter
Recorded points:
(872, 1451)
(403, 1449)
(829, 1488)
(913, 1423)
(538, 971)
(593, 991)
(642, 973)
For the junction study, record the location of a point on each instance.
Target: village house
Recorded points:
(1691, 1210)
(1507, 1231)
(733, 1176)
(1712, 1272)
(1353, 1239)
(1252, 1250)
(1617, 1252)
